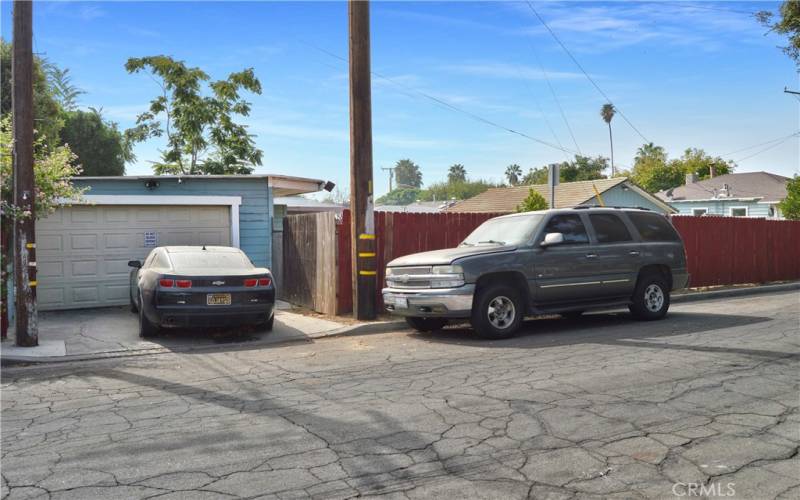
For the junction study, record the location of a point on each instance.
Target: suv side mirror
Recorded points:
(551, 239)
(135, 263)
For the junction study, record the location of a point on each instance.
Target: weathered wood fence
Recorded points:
(720, 250)
(309, 261)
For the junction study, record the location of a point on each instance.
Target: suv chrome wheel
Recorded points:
(501, 312)
(654, 297)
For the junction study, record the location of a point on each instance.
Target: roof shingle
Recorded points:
(764, 185)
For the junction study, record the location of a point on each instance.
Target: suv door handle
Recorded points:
(634, 252)
(591, 255)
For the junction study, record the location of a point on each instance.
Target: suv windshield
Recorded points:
(505, 231)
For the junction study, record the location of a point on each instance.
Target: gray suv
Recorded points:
(547, 262)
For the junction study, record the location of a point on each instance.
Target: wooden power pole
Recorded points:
(27, 328)
(362, 229)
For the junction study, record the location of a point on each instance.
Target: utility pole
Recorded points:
(362, 229)
(391, 175)
(27, 327)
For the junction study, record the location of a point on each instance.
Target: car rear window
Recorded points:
(653, 227)
(211, 260)
(609, 228)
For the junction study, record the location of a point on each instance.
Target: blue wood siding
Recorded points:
(618, 197)
(255, 212)
(721, 207)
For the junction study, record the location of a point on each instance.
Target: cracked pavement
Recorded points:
(597, 407)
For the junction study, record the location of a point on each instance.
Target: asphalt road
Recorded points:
(705, 401)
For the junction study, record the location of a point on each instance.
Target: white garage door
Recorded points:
(83, 251)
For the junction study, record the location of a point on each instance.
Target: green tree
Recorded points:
(202, 137)
(652, 171)
(53, 167)
(400, 196)
(582, 168)
(535, 176)
(407, 174)
(440, 191)
(534, 201)
(788, 24)
(457, 173)
(790, 206)
(607, 112)
(60, 82)
(99, 145)
(513, 174)
(46, 111)
(697, 161)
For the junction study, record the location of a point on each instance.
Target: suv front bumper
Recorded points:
(430, 303)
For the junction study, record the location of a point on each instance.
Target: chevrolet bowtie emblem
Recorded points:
(218, 283)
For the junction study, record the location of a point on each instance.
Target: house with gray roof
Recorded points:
(748, 194)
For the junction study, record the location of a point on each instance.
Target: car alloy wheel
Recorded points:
(501, 312)
(654, 298)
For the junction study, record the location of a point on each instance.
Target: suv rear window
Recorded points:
(570, 226)
(653, 227)
(609, 228)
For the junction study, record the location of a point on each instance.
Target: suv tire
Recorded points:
(426, 324)
(650, 299)
(497, 312)
(146, 328)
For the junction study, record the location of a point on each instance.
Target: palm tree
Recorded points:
(650, 150)
(456, 173)
(513, 174)
(607, 112)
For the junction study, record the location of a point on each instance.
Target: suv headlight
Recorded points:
(447, 276)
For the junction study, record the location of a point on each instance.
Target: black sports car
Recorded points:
(200, 286)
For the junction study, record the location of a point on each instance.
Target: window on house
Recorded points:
(737, 211)
(698, 212)
(609, 228)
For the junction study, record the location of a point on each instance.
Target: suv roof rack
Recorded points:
(587, 207)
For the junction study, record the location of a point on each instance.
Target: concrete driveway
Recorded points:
(111, 331)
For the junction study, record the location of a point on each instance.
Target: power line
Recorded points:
(762, 143)
(766, 148)
(447, 105)
(553, 92)
(585, 73)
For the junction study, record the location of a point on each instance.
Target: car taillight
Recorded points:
(183, 283)
(166, 283)
(250, 282)
(264, 282)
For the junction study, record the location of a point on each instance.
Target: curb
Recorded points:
(357, 330)
(734, 292)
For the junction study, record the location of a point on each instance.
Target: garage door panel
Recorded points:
(48, 242)
(81, 215)
(51, 297)
(45, 269)
(84, 251)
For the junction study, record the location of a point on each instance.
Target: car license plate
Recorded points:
(400, 302)
(218, 299)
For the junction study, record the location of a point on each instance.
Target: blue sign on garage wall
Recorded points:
(150, 239)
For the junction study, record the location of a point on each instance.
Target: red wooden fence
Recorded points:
(720, 250)
(732, 250)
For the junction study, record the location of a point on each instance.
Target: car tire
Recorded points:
(497, 312)
(146, 328)
(426, 324)
(650, 299)
(572, 314)
(269, 323)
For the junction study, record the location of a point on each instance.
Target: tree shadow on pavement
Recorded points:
(612, 329)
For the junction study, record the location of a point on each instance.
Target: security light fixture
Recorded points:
(151, 184)
(328, 186)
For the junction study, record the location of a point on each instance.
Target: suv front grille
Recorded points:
(410, 277)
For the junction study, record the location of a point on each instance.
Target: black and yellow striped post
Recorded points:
(362, 229)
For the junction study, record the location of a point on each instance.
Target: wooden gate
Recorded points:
(309, 261)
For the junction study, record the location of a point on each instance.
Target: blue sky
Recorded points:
(686, 74)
